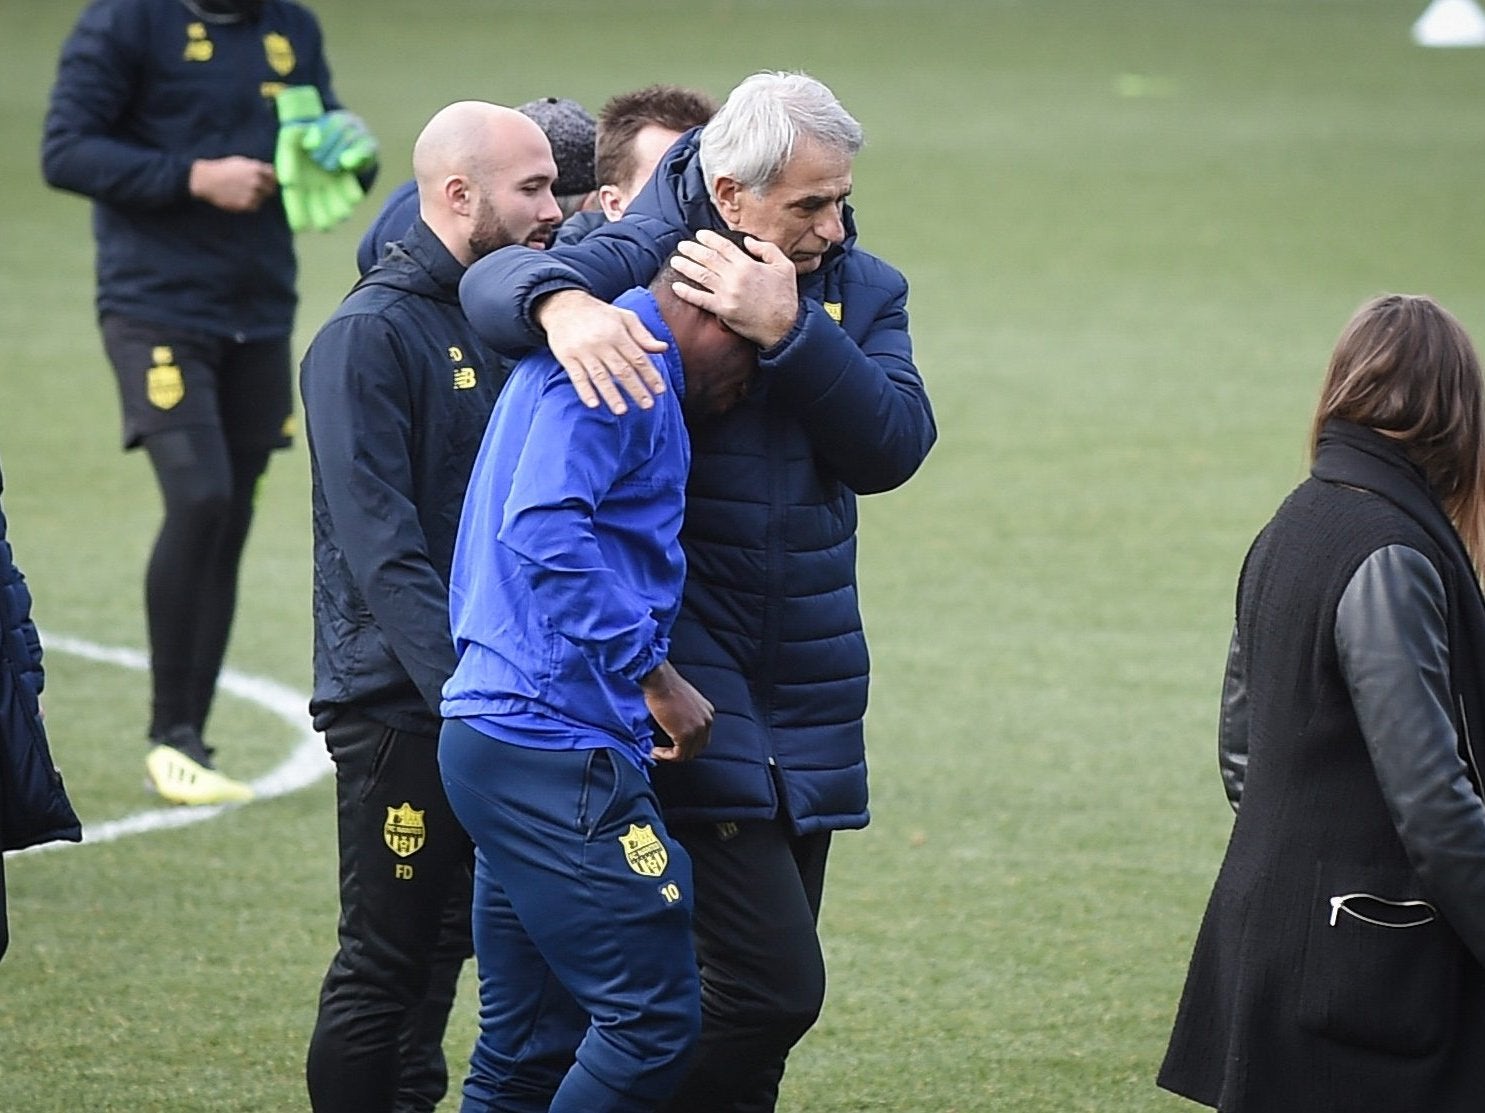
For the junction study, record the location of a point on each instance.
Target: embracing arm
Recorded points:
(1392, 640)
(358, 418)
(518, 298)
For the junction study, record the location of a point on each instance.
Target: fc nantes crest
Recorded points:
(643, 851)
(404, 832)
(280, 54)
(163, 384)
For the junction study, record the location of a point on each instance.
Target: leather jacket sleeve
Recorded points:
(1232, 730)
(1391, 637)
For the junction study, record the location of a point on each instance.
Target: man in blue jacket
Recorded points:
(397, 389)
(163, 113)
(770, 627)
(567, 576)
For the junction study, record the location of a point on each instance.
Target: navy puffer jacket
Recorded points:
(770, 628)
(33, 804)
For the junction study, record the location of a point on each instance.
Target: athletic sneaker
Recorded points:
(180, 770)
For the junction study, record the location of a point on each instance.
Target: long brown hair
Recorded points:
(1404, 366)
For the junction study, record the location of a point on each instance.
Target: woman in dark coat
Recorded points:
(1341, 962)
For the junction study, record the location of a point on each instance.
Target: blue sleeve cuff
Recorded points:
(648, 661)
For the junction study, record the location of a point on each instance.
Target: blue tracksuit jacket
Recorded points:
(143, 89)
(770, 626)
(567, 571)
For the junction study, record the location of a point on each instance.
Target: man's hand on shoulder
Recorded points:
(683, 713)
(235, 184)
(601, 348)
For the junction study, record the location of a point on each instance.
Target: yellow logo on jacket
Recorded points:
(404, 832)
(164, 385)
(198, 46)
(465, 377)
(645, 853)
(280, 53)
(832, 309)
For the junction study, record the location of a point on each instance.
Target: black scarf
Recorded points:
(1360, 457)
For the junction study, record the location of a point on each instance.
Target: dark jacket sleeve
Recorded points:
(1232, 729)
(499, 291)
(81, 150)
(34, 807)
(1392, 640)
(862, 403)
(359, 420)
(16, 615)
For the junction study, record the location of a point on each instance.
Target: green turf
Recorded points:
(1133, 231)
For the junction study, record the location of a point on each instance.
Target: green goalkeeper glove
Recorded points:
(340, 140)
(313, 197)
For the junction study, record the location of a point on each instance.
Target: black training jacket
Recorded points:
(143, 89)
(397, 390)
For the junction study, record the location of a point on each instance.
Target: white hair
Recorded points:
(752, 136)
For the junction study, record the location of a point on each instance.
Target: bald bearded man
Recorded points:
(397, 389)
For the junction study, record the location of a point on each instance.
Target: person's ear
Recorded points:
(611, 201)
(726, 191)
(457, 195)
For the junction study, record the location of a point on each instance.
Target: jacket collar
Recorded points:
(428, 251)
(419, 264)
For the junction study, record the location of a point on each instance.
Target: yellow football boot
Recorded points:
(182, 778)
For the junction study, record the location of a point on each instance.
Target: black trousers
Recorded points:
(209, 411)
(758, 888)
(190, 584)
(405, 892)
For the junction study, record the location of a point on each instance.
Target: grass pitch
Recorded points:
(1132, 230)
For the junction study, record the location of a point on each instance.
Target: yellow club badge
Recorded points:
(280, 53)
(198, 46)
(404, 832)
(164, 385)
(645, 853)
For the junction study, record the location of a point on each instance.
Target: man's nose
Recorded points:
(831, 226)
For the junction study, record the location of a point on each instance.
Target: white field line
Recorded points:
(305, 764)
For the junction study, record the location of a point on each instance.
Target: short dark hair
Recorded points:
(624, 116)
(668, 274)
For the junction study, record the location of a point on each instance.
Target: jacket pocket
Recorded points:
(1381, 969)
